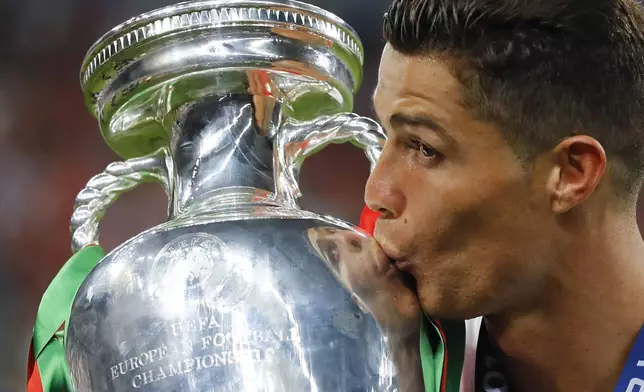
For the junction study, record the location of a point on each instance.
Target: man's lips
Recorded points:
(403, 264)
(396, 257)
(391, 253)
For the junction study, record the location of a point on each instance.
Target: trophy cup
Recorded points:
(220, 101)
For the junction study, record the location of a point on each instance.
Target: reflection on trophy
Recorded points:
(364, 269)
(220, 102)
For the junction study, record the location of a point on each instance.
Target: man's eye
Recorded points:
(425, 150)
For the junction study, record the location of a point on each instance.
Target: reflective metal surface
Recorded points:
(244, 305)
(291, 51)
(240, 290)
(300, 139)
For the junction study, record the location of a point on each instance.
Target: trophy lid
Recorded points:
(128, 75)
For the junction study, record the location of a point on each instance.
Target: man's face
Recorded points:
(460, 213)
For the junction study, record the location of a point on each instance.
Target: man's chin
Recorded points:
(447, 307)
(451, 313)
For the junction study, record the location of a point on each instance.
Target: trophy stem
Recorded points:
(222, 143)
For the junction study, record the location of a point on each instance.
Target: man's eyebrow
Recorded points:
(400, 119)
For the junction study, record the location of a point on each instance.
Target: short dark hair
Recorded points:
(541, 70)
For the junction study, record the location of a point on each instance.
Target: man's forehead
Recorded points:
(391, 56)
(420, 76)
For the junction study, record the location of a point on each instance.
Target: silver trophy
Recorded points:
(220, 101)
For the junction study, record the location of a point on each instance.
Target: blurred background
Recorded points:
(50, 146)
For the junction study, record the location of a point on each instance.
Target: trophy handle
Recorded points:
(105, 188)
(299, 139)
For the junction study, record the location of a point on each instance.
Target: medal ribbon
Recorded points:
(47, 368)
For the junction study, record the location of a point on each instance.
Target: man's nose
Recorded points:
(382, 192)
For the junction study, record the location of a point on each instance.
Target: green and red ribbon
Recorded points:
(47, 369)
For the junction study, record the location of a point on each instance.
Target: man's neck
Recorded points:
(579, 336)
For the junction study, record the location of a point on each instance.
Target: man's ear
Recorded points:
(579, 162)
